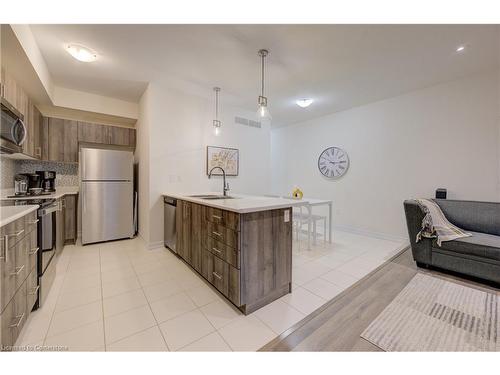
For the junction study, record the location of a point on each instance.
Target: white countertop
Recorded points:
(241, 203)
(60, 192)
(9, 214)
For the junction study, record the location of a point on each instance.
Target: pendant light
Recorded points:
(263, 110)
(216, 123)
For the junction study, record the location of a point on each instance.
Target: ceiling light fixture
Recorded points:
(304, 103)
(460, 48)
(216, 123)
(263, 110)
(81, 53)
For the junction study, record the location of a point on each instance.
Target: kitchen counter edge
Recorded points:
(253, 203)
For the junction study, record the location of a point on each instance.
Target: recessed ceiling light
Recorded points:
(81, 53)
(460, 48)
(303, 103)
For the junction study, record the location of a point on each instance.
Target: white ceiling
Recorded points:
(339, 66)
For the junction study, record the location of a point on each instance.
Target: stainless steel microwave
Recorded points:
(13, 131)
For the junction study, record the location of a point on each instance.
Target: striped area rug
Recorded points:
(431, 314)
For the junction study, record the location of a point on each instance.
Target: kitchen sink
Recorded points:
(211, 197)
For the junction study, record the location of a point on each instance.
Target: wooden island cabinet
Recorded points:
(246, 257)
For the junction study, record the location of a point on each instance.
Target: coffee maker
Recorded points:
(48, 179)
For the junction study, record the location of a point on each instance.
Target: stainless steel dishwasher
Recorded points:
(169, 222)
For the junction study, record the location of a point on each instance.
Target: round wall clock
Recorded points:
(333, 162)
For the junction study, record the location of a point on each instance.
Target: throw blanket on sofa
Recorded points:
(435, 224)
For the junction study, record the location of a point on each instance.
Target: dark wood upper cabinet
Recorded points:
(62, 140)
(105, 134)
(92, 133)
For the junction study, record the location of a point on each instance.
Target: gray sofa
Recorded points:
(477, 256)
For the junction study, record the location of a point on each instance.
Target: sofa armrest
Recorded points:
(422, 250)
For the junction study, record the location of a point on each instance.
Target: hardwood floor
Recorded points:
(337, 326)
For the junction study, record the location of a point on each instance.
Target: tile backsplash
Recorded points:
(66, 173)
(7, 172)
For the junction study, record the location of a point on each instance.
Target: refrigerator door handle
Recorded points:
(84, 203)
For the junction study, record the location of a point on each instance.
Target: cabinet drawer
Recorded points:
(31, 221)
(223, 276)
(223, 251)
(228, 219)
(7, 268)
(12, 233)
(22, 261)
(32, 249)
(31, 289)
(223, 234)
(13, 318)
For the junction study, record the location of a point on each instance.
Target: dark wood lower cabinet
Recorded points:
(70, 218)
(250, 266)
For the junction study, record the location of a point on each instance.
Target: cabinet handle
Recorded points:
(17, 234)
(33, 222)
(216, 250)
(35, 290)
(217, 217)
(33, 251)
(20, 317)
(217, 234)
(217, 275)
(19, 270)
(5, 247)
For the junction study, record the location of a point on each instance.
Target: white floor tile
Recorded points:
(69, 299)
(73, 318)
(127, 323)
(202, 295)
(308, 271)
(150, 340)
(124, 302)
(303, 300)
(154, 277)
(210, 343)
(120, 286)
(185, 329)
(323, 288)
(279, 316)
(220, 313)
(172, 306)
(84, 338)
(247, 333)
(162, 290)
(340, 278)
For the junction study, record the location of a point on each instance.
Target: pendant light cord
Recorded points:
(262, 56)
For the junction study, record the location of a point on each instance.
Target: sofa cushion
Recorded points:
(479, 244)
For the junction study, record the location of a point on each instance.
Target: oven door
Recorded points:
(13, 131)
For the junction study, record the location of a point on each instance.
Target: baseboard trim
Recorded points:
(155, 245)
(364, 232)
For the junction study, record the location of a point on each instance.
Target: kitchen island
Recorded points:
(242, 245)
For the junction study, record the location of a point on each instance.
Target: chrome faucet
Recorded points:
(225, 187)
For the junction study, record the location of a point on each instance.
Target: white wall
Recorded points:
(403, 147)
(142, 159)
(180, 128)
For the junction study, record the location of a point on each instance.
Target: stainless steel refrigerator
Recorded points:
(107, 195)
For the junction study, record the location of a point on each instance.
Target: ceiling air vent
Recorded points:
(247, 122)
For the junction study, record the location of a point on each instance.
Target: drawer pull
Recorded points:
(217, 233)
(216, 250)
(35, 290)
(20, 319)
(33, 221)
(33, 251)
(217, 275)
(217, 217)
(17, 234)
(5, 247)
(18, 271)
